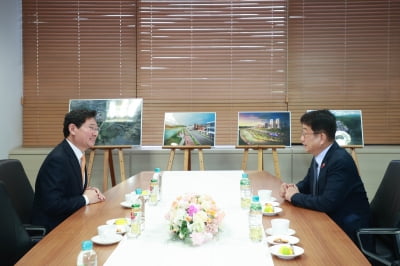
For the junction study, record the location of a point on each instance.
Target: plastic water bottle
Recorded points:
(256, 228)
(87, 256)
(155, 187)
(135, 227)
(138, 208)
(245, 191)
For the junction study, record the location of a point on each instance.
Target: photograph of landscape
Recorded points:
(349, 129)
(119, 120)
(189, 128)
(264, 128)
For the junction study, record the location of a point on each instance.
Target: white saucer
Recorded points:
(272, 202)
(282, 239)
(276, 211)
(100, 241)
(289, 233)
(126, 204)
(297, 251)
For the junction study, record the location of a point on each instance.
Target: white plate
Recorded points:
(297, 251)
(273, 203)
(126, 204)
(100, 241)
(282, 239)
(289, 233)
(276, 211)
(121, 228)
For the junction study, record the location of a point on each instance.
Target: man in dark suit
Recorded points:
(61, 185)
(332, 184)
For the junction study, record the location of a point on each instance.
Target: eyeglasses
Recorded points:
(94, 129)
(304, 134)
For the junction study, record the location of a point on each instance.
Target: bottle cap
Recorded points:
(87, 245)
(245, 175)
(135, 205)
(138, 191)
(256, 198)
(157, 170)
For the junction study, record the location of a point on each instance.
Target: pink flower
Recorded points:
(192, 210)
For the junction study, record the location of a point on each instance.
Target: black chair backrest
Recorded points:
(19, 188)
(385, 205)
(14, 240)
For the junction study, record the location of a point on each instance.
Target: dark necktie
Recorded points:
(315, 180)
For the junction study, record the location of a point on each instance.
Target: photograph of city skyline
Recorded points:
(264, 128)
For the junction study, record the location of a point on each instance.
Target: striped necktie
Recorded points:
(83, 165)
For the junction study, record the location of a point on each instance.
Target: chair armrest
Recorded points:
(378, 231)
(35, 230)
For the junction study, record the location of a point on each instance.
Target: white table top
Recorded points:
(231, 246)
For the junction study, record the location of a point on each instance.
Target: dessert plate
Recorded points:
(282, 239)
(126, 204)
(297, 251)
(109, 241)
(276, 211)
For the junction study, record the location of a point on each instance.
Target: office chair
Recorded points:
(21, 194)
(14, 240)
(385, 208)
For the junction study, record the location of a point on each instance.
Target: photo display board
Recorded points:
(264, 128)
(119, 120)
(189, 128)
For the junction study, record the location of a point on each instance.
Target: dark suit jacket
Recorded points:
(341, 193)
(58, 189)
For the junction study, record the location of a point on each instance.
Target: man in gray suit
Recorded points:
(61, 185)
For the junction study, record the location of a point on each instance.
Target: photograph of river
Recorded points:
(264, 128)
(189, 128)
(349, 129)
(119, 120)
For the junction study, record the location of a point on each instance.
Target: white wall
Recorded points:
(10, 76)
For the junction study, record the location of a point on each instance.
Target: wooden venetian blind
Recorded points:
(346, 55)
(210, 56)
(74, 50)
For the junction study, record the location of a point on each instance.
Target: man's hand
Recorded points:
(94, 195)
(290, 191)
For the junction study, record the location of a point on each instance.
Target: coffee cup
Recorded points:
(106, 231)
(265, 195)
(280, 226)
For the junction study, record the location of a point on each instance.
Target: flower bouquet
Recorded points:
(194, 218)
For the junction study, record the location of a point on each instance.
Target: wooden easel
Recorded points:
(187, 159)
(260, 150)
(108, 166)
(353, 153)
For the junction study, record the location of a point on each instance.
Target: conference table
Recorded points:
(324, 243)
